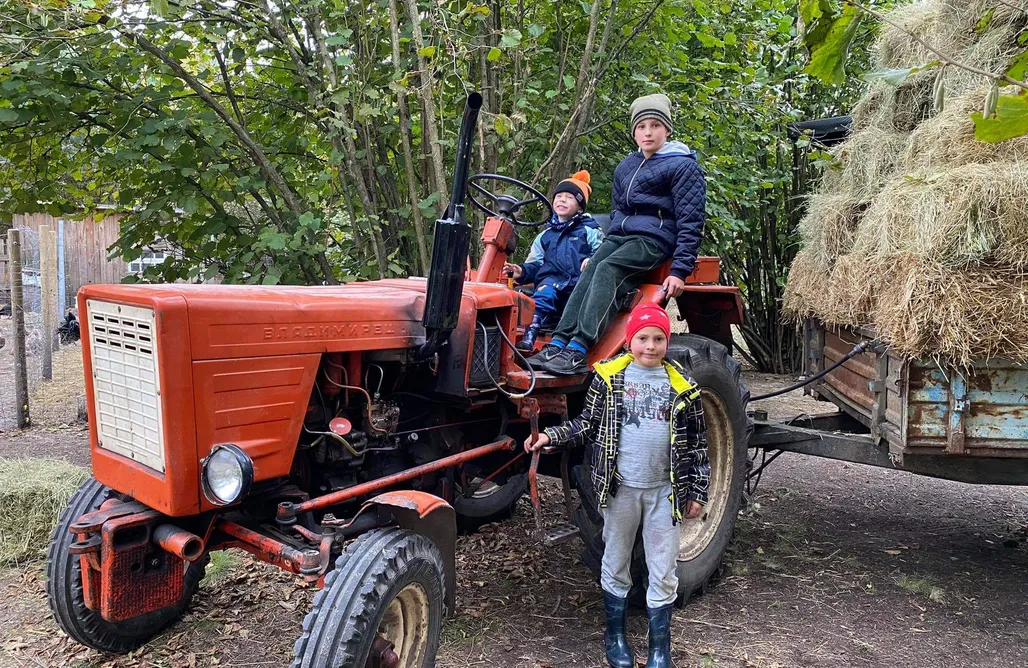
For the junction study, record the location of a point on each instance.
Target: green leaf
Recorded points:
(984, 22)
(493, 55)
(1022, 39)
(828, 57)
(511, 37)
(8, 115)
(501, 124)
(731, 39)
(272, 276)
(160, 7)
(1010, 120)
(896, 76)
(1018, 66)
(426, 52)
(535, 30)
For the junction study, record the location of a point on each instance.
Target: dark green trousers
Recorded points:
(615, 270)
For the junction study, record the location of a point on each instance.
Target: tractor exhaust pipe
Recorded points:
(450, 246)
(184, 545)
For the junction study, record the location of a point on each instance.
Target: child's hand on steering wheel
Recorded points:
(512, 270)
(673, 286)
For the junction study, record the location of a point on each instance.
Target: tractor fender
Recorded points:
(430, 516)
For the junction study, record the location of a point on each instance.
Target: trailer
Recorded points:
(923, 416)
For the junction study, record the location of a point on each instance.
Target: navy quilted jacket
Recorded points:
(664, 199)
(558, 251)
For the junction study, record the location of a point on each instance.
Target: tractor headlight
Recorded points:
(227, 474)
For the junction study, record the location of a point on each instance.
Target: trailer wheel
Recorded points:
(492, 503)
(704, 540)
(382, 605)
(64, 586)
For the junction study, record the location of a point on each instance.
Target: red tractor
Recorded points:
(343, 433)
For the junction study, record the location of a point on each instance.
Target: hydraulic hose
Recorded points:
(857, 349)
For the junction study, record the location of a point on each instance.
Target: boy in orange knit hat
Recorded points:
(559, 254)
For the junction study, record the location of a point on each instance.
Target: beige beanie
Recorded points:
(656, 106)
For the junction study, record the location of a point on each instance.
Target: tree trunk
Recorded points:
(406, 139)
(425, 93)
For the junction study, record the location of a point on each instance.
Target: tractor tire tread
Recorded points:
(64, 586)
(343, 612)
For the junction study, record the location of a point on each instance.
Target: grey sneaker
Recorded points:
(549, 351)
(570, 362)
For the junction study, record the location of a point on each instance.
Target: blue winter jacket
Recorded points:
(662, 198)
(558, 251)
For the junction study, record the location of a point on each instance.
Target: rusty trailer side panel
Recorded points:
(918, 406)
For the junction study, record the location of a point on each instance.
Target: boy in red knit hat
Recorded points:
(559, 254)
(649, 457)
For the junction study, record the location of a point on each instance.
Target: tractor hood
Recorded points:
(237, 321)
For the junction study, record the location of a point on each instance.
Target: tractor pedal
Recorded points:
(559, 534)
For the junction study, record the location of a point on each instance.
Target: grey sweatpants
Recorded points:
(621, 519)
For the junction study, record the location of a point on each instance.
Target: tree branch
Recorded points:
(228, 86)
(251, 146)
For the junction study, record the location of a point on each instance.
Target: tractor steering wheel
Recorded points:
(506, 205)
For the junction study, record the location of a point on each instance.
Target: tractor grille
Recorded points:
(126, 395)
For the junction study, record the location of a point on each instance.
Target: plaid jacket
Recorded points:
(600, 424)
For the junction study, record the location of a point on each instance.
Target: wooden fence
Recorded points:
(82, 247)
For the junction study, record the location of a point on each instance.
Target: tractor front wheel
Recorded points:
(64, 586)
(382, 605)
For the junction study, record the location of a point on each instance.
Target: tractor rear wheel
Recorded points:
(64, 586)
(705, 539)
(382, 605)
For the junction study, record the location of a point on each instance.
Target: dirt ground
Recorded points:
(833, 565)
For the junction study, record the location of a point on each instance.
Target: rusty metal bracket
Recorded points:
(959, 406)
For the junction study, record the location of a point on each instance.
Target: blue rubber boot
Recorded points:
(660, 637)
(619, 654)
(527, 343)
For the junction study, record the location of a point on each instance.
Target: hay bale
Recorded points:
(866, 161)
(966, 15)
(804, 295)
(919, 230)
(850, 291)
(947, 140)
(829, 225)
(925, 309)
(33, 492)
(895, 109)
(894, 47)
(970, 215)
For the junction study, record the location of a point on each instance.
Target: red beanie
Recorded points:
(647, 315)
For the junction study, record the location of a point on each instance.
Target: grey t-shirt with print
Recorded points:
(644, 449)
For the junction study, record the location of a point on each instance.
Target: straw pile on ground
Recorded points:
(919, 230)
(33, 492)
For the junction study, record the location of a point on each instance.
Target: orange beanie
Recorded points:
(578, 186)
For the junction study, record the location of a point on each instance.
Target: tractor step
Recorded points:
(558, 534)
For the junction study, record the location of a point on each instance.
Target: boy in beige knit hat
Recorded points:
(659, 204)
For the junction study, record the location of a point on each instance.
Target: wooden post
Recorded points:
(46, 268)
(51, 295)
(21, 378)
